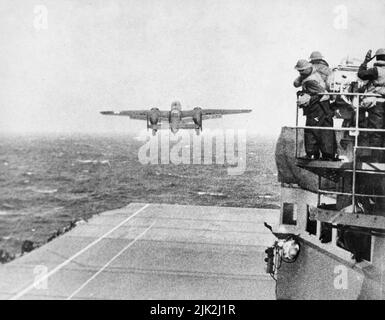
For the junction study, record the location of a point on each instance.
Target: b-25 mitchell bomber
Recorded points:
(175, 119)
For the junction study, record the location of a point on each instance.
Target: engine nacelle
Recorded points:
(154, 116)
(197, 117)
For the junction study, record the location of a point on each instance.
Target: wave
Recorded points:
(43, 190)
(94, 161)
(172, 175)
(6, 206)
(265, 196)
(212, 194)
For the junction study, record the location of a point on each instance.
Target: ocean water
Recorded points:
(48, 181)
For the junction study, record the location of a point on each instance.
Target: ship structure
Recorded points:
(334, 210)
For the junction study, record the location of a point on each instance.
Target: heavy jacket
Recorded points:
(322, 68)
(374, 105)
(375, 75)
(318, 114)
(312, 85)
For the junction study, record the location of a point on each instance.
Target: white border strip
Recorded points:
(63, 264)
(109, 262)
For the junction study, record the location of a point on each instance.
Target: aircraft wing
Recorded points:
(135, 114)
(211, 116)
(207, 112)
(214, 113)
(188, 120)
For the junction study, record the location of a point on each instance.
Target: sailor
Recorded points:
(372, 105)
(316, 108)
(320, 64)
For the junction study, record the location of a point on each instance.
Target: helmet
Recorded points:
(380, 52)
(302, 65)
(316, 55)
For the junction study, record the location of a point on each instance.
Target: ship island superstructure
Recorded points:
(335, 209)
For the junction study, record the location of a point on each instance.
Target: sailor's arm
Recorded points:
(298, 82)
(312, 88)
(367, 74)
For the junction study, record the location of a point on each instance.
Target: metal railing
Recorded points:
(355, 130)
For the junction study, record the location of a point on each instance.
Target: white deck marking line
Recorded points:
(109, 262)
(57, 268)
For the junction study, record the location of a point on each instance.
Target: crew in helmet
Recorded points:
(316, 108)
(374, 106)
(320, 64)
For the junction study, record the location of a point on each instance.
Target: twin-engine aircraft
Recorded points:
(175, 119)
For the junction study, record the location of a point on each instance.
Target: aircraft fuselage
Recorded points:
(175, 116)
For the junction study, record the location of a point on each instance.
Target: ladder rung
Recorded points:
(378, 172)
(340, 129)
(350, 194)
(371, 148)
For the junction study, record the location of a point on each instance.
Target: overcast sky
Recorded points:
(125, 55)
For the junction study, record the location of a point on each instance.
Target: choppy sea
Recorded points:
(48, 181)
